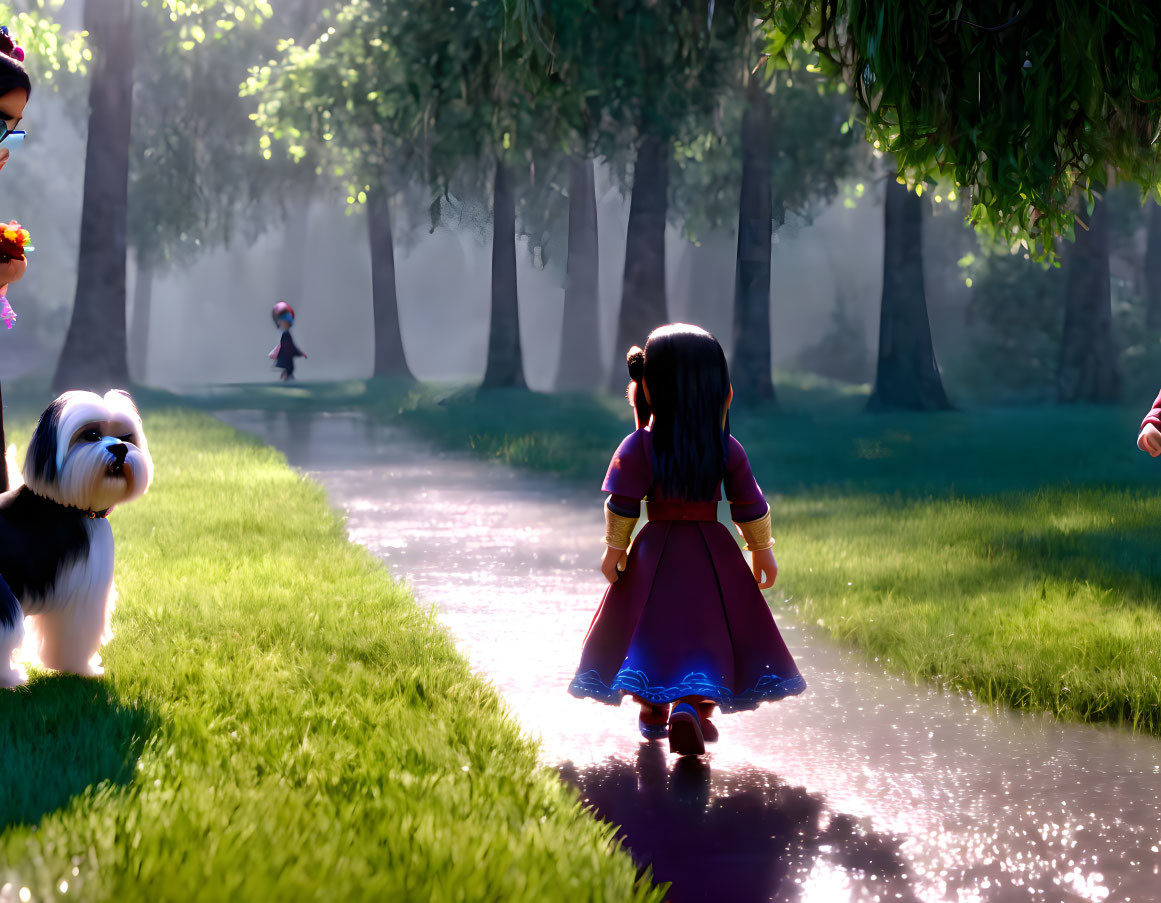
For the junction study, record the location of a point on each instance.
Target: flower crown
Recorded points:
(8, 47)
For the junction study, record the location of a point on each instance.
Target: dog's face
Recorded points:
(89, 452)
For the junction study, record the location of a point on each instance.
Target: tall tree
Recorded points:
(1088, 352)
(579, 367)
(785, 141)
(196, 179)
(338, 102)
(573, 30)
(907, 376)
(95, 349)
(94, 354)
(505, 362)
(390, 358)
(643, 304)
(422, 92)
(487, 104)
(665, 65)
(752, 371)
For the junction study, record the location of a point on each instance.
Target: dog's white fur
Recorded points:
(65, 628)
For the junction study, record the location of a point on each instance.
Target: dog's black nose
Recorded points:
(119, 451)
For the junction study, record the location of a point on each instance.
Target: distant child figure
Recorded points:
(285, 351)
(684, 622)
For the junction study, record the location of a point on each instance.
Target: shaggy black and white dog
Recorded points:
(87, 454)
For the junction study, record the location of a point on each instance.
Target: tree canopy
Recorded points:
(1030, 107)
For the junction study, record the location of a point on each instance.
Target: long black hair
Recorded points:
(13, 75)
(689, 384)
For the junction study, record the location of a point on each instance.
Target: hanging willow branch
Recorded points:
(1034, 112)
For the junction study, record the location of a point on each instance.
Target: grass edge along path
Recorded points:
(279, 720)
(1008, 553)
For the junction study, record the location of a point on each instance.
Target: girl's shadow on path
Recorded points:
(61, 735)
(756, 839)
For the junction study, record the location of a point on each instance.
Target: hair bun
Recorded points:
(636, 361)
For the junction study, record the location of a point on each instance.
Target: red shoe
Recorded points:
(685, 736)
(709, 731)
(653, 722)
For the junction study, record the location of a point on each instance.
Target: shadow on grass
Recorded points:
(60, 736)
(1123, 561)
(759, 842)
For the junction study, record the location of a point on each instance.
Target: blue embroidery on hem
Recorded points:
(769, 688)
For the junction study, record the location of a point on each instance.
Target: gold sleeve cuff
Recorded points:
(618, 529)
(757, 534)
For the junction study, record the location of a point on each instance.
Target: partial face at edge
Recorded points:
(12, 107)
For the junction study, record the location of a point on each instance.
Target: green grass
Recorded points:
(279, 720)
(1011, 553)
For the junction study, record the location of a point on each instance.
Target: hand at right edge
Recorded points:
(1150, 440)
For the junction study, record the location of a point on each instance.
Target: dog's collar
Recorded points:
(92, 515)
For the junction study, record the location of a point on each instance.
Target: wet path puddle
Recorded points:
(864, 788)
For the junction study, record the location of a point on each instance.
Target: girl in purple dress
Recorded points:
(684, 623)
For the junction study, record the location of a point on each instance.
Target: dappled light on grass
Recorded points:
(991, 595)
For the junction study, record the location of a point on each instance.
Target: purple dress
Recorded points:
(686, 618)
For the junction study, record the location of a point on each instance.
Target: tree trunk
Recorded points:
(390, 361)
(1153, 269)
(94, 353)
(580, 367)
(1088, 353)
(643, 305)
(907, 377)
(751, 370)
(139, 327)
(505, 363)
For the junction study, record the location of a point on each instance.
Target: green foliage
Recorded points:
(50, 51)
(662, 65)
(1031, 107)
(195, 178)
(414, 92)
(279, 720)
(209, 19)
(1016, 318)
(340, 101)
(813, 148)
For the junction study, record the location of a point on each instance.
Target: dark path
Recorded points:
(864, 788)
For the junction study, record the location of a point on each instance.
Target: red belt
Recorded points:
(682, 510)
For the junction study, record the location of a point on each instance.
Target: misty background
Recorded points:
(995, 315)
(211, 321)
